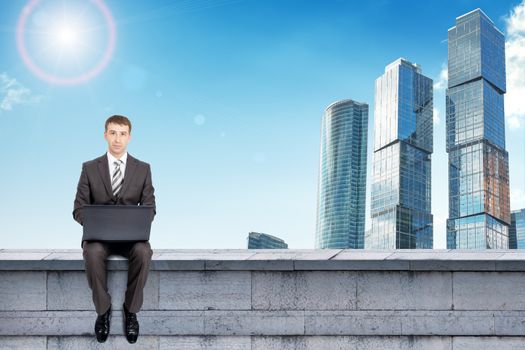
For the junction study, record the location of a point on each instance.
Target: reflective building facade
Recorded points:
(403, 144)
(342, 176)
(517, 229)
(258, 240)
(479, 204)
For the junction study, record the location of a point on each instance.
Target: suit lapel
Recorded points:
(131, 165)
(103, 170)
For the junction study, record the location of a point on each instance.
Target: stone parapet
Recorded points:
(274, 299)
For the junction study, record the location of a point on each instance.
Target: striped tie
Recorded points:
(116, 179)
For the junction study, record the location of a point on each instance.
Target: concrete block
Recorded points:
(114, 342)
(205, 343)
(229, 254)
(254, 323)
(332, 343)
(512, 254)
(452, 265)
(22, 343)
(476, 343)
(513, 260)
(47, 251)
(358, 323)
(63, 323)
(58, 323)
(304, 259)
(510, 265)
(351, 343)
(70, 291)
(447, 260)
(210, 254)
(22, 290)
(358, 259)
(404, 290)
(274, 254)
(304, 343)
(446, 323)
(285, 256)
(316, 254)
(314, 290)
(168, 323)
(65, 260)
(353, 265)
(222, 290)
(509, 323)
(361, 254)
(23, 255)
(258, 259)
(194, 259)
(249, 265)
(352, 323)
(489, 290)
(177, 265)
(452, 254)
(23, 260)
(405, 343)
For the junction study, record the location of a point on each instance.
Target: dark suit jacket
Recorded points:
(94, 186)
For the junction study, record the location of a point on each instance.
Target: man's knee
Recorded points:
(141, 251)
(93, 251)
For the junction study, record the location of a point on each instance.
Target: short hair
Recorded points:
(118, 119)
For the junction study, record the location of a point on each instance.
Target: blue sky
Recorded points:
(226, 99)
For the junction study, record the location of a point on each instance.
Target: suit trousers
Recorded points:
(95, 255)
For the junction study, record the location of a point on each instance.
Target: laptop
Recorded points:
(117, 223)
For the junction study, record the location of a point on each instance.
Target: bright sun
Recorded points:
(66, 42)
(66, 35)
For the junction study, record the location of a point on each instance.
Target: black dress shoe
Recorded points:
(102, 326)
(131, 326)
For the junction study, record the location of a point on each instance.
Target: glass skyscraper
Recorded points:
(479, 204)
(403, 144)
(258, 240)
(342, 176)
(517, 229)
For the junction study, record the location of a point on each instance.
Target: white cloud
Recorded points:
(515, 23)
(513, 121)
(515, 56)
(437, 117)
(13, 93)
(442, 81)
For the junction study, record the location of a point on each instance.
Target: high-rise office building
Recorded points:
(342, 176)
(517, 229)
(403, 144)
(258, 240)
(479, 204)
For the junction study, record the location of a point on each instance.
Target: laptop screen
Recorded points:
(115, 223)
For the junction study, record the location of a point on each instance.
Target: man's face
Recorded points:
(117, 137)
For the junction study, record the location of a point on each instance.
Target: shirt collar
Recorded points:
(112, 159)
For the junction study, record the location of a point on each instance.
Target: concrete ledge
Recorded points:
(273, 323)
(386, 343)
(274, 299)
(265, 343)
(280, 260)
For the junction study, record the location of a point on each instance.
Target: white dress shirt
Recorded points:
(111, 164)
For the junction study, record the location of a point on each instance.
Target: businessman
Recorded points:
(116, 178)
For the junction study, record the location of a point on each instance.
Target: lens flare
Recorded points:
(65, 36)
